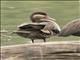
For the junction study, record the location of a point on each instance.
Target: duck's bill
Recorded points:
(45, 31)
(49, 18)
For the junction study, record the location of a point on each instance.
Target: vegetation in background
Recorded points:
(14, 13)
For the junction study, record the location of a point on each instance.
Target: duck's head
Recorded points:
(40, 16)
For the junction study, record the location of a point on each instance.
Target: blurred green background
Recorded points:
(14, 13)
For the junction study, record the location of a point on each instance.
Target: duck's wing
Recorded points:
(72, 28)
(27, 28)
(31, 26)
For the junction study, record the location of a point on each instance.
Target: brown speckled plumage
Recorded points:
(72, 28)
(40, 28)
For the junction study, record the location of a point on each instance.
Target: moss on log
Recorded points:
(42, 51)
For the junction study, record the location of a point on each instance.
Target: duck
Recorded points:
(71, 28)
(39, 28)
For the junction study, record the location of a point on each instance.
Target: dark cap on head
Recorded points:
(35, 13)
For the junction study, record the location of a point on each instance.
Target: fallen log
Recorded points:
(42, 51)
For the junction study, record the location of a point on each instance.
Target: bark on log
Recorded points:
(42, 51)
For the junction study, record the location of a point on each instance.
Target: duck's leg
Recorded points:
(44, 40)
(32, 40)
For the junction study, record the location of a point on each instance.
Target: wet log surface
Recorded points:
(42, 51)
